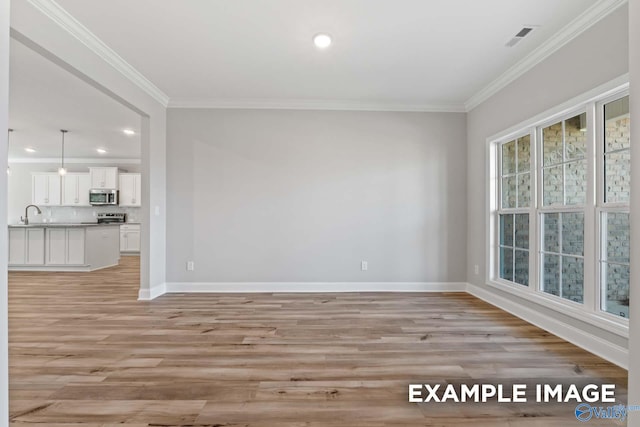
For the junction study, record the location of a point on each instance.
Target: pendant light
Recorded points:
(8, 138)
(62, 171)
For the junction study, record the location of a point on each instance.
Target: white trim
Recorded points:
(598, 346)
(311, 104)
(586, 312)
(304, 287)
(617, 326)
(87, 160)
(610, 88)
(67, 22)
(588, 18)
(153, 293)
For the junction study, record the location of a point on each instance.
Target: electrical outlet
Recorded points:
(190, 266)
(476, 269)
(364, 265)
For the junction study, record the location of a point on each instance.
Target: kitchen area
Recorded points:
(79, 221)
(74, 171)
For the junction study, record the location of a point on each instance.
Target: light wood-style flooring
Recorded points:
(84, 351)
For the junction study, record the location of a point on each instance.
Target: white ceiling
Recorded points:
(45, 98)
(387, 54)
(402, 53)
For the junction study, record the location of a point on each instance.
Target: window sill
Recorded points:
(569, 308)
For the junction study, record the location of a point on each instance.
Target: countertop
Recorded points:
(64, 225)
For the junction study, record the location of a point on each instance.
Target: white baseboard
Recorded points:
(608, 351)
(305, 287)
(152, 293)
(605, 349)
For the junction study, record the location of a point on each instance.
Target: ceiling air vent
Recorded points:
(525, 31)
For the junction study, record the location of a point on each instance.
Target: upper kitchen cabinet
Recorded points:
(104, 177)
(45, 189)
(75, 189)
(130, 189)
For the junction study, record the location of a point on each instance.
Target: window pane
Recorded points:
(551, 232)
(551, 274)
(575, 137)
(618, 237)
(575, 182)
(617, 176)
(509, 192)
(552, 144)
(509, 158)
(617, 286)
(616, 115)
(522, 267)
(524, 153)
(524, 190)
(506, 263)
(572, 278)
(506, 230)
(522, 231)
(552, 186)
(573, 233)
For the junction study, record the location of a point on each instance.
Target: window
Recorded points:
(614, 210)
(564, 195)
(562, 255)
(514, 248)
(564, 167)
(515, 178)
(561, 209)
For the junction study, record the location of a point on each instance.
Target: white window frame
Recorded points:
(602, 207)
(584, 208)
(589, 311)
(514, 211)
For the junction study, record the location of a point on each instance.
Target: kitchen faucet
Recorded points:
(26, 214)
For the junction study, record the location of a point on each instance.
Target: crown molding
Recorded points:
(576, 27)
(71, 25)
(311, 104)
(75, 161)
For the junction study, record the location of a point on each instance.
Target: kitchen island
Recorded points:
(63, 247)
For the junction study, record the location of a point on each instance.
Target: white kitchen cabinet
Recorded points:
(65, 246)
(45, 189)
(35, 246)
(130, 238)
(104, 177)
(56, 246)
(130, 189)
(75, 246)
(75, 189)
(26, 246)
(17, 246)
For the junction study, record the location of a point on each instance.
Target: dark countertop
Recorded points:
(62, 225)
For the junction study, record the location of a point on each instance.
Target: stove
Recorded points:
(108, 218)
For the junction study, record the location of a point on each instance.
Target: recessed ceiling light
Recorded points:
(101, 150)
(129, 132)
(29, 150)
(322, 40)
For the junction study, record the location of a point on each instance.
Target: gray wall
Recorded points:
(278, 195)
(595, 57)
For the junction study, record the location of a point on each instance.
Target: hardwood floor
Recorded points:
(83, 351)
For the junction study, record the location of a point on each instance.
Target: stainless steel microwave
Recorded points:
(99, 197)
